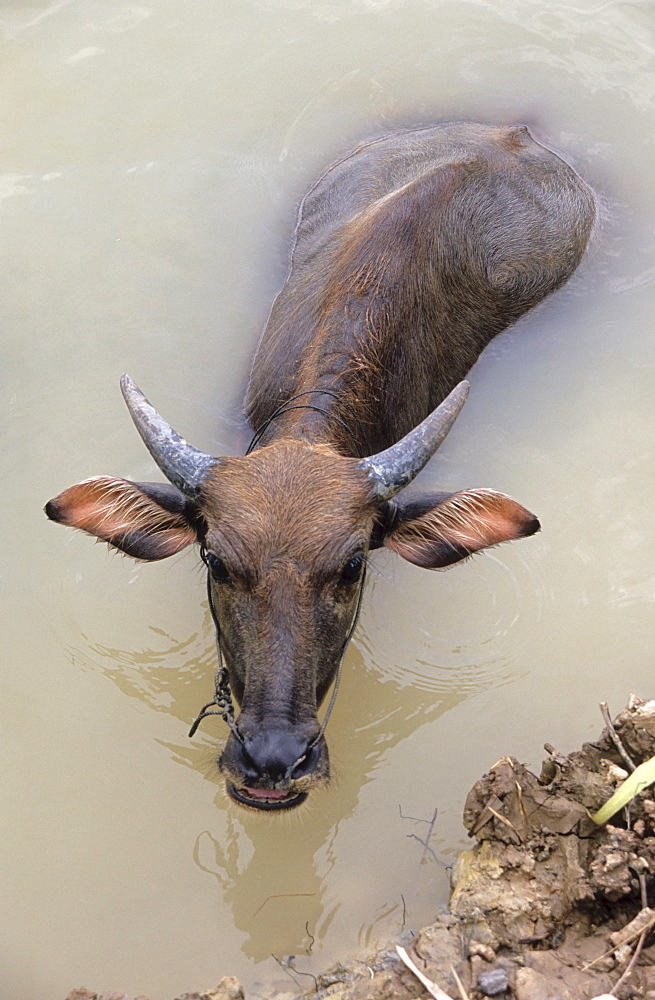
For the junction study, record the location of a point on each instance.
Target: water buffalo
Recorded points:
(410, 254)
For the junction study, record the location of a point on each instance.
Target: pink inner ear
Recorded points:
(462, 524)
(117, 511)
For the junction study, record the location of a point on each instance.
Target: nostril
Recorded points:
(249, 768)
(307, 762)
(277, 756)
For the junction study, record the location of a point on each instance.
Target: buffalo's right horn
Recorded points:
(184, 466)
(393, 469)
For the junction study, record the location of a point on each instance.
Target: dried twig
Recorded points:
(490, 809)
(289, 968)
(503, 819)
(616, 740)
(640, 943)
(519, 792)
(631, 964)
(424, 843)
(460, 985)
(645, 921)
(285, 968)
(431, 987)
(642, 889)
(281, 895)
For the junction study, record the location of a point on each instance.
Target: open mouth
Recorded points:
(265, 798)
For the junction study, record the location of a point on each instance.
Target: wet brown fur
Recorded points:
(284, 558)
(392, 308)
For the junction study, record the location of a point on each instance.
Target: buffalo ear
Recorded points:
(145, 520)
(437, 530)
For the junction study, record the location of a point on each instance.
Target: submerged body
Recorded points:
(410, 255)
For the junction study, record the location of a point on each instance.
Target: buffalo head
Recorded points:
(286, 532)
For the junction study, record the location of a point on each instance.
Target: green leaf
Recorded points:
(641, 778)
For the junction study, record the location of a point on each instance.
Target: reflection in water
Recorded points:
(170, 679)
(248, 859)
(369, 934)
(279, 913)
(375, 722)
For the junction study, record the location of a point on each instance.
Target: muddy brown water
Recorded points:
(151, 160)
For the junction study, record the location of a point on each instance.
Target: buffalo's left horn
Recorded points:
(393, 469)
(184, 466)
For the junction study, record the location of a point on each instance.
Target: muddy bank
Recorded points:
(547, 905)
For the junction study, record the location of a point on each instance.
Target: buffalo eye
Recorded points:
(217, 568)
(352, 571)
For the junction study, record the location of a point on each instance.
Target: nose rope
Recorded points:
(222, 699)
(222, 695)
(337, 680)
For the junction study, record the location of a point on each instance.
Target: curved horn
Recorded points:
(184, 466)
(393, 469)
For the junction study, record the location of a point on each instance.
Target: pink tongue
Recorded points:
(265, 793)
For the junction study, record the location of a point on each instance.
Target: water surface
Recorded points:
(152, 158)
